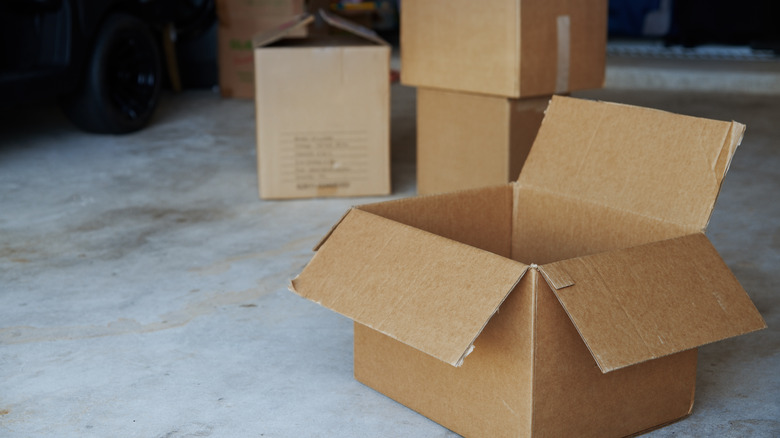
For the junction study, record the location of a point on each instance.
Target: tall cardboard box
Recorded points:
(510, 48)
(568, 303)
(323, 113)
(469, 140)
(238, 22)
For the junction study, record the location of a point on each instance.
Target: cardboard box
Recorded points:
(510, 48)
(323, 113)
(469, 140)
(239, 21)
(568, 303)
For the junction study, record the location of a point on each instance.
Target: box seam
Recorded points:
(730, 150)
(534, 315)
(519, 59)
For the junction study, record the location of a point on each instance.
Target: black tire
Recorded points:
(121, 84)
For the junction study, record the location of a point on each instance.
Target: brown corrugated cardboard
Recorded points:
(510, 48)
(239, 21)
(609, 290)
(322, 107)
(469, 140)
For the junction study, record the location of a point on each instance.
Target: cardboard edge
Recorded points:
(693, 387)
(555, 276)
(353, 28)
(470, 348)
(279, 32)
(291, 286)
(332, 229)
(498, 307)
(722, 165)
(518, 59)
(610, 369)
(562, 279)
(535, 349)
(432, 195)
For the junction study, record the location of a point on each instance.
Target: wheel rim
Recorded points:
(133, 76)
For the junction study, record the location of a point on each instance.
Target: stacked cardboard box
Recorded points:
(485, 75)
(239, 21)
(323, 112)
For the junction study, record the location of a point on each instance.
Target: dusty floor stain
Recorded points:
(28, 334)
(224, 265)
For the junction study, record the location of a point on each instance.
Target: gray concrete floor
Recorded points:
(143, 283)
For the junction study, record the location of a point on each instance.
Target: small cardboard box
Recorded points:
(579, 293)
(239, 21)
(510, 48)
(469, 140)
(323, 112)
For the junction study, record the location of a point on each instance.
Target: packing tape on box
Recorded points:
(564, 49)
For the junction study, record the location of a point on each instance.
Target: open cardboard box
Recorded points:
(583, 288)
(323, 111)
(510, 48)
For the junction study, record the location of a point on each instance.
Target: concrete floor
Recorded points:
(143, 283)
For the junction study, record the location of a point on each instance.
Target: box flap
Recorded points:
(650, 162)
(353, 28)
(429, 292)
(281, 31)
(653, 300)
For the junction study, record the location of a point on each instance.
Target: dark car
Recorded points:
(102, 59)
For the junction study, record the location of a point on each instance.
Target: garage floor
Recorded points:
(143, 285)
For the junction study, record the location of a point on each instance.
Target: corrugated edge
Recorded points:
(733, 140)
(576, 327)
(555, 275)
(585, 341)
(332, 229)
(291, 287)
(517, 88)
(534, 318)
(273, 35)
(353, 28)
(469, 349)
(471, 344)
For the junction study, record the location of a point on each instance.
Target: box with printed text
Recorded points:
(323, 112)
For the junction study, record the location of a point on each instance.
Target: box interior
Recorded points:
(526, 224)
(549, 227)
(323, 41)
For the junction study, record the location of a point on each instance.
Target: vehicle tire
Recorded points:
(121, 83)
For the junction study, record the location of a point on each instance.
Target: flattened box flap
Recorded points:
(281, 31)
(653, 163)
(302, 20)
(352, 28)
(653, 300)
(424, 290)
